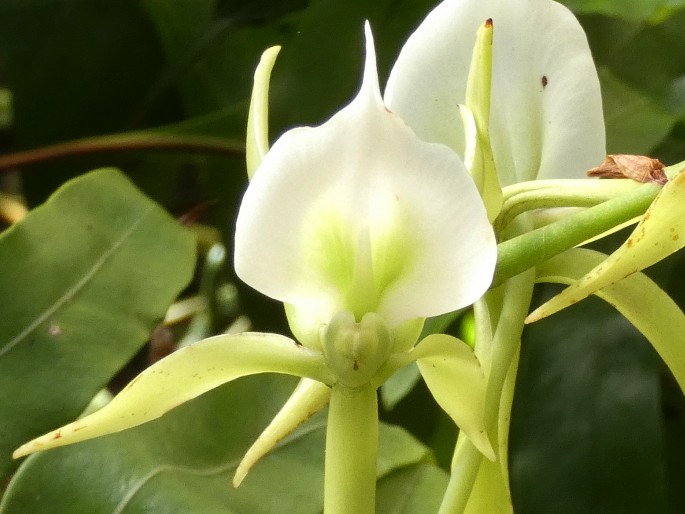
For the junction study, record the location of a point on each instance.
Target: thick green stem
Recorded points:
(351, 451)
(518, 293)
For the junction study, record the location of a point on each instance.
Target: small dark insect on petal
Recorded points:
(636, 167)
(544, 81)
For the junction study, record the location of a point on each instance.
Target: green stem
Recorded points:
(121, 143)
(465, 464)
(503, 349)
(351, 451)
(531, 248)
(543, 194)
(518, 293)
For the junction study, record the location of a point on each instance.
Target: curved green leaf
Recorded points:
(639, 299)
(85, 278)
(660, 233)
(182, 376)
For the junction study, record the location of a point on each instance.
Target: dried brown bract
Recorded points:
(637, 167)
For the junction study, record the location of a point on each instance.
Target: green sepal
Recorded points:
(637, 297)
(184, 375)
(475, 116)
(257, 143)
(456, 380)
(308, 398)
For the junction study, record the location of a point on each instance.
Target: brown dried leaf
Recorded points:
(636, 167)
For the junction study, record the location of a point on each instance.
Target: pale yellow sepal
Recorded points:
(308, 398)
(660, 233)
(476, 118)
(257, 143)
(184, 375)
(643, 303)
(457, 382)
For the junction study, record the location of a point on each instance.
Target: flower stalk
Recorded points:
(351, 451)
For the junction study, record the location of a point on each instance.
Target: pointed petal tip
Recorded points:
(485, 447)
(370, 83)
(239, 476)
(22, 451)
(44, 442)
(545, 310)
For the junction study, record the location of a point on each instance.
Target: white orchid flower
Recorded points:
(361, 215)
(363, 230)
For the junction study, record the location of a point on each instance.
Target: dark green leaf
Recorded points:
(413, 489)
(85, 277)
(586, 432)
(635, 122)
(628, 9)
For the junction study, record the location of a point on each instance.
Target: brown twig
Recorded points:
(109, 144)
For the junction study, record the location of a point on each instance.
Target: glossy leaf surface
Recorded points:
(88, 273)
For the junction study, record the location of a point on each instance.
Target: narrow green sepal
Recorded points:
(257, 143)
(184, 375)
(308, 398)
(456, 380)
(476, 118)
(637, 297)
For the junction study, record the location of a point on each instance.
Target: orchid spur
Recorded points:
(364, 230)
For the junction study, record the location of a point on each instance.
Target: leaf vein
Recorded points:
(78, 286)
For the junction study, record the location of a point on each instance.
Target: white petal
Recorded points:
(360, 214)
(546, 117)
